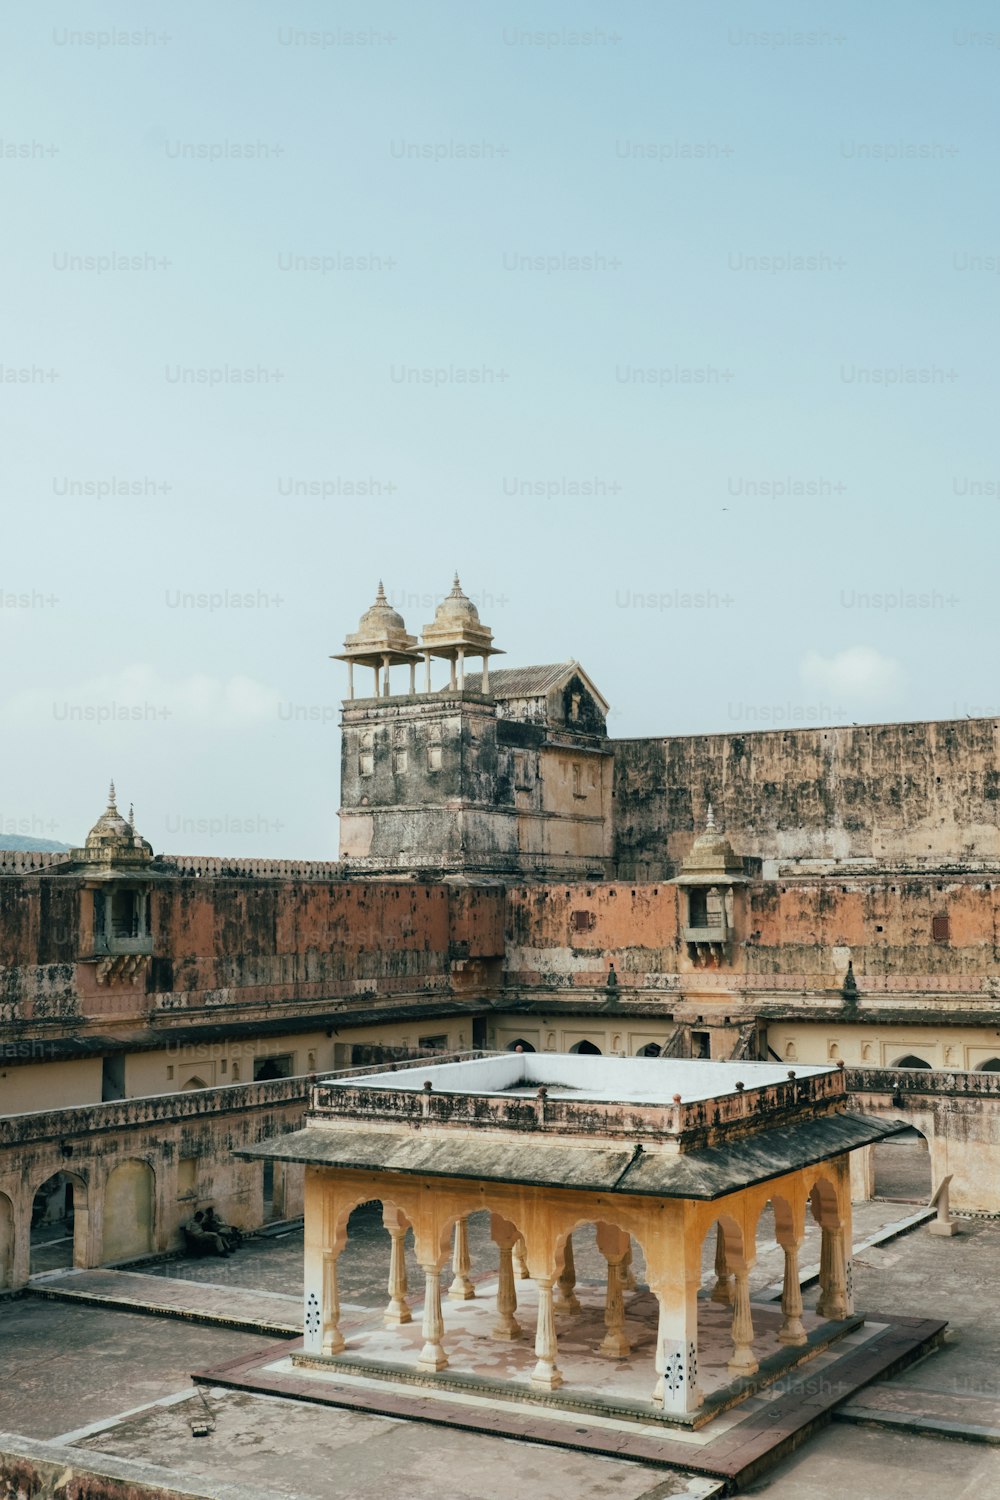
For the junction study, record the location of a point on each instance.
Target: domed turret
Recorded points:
(712, 853)
(457, 609)
(379, 621)
(380, 641)
(458, 632)
(113, 839)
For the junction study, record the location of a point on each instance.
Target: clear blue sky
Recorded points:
(786, 215)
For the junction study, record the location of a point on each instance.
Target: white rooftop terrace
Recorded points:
(614, 1080)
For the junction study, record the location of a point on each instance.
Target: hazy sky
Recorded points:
(738, 277)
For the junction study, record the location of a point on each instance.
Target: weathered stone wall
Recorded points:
(225, 942)
(202, 1129)
(924, 793)
(800, 932)
(958, 1113)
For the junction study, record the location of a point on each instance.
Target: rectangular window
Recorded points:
(265, 1068)
(433, 757)
(433, 1043)
(701, 1044)
(398, 762)
(584, 921)
(941, 928)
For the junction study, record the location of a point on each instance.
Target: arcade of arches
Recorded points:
(682, 1336)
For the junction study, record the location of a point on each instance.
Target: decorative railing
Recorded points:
(920, 1081)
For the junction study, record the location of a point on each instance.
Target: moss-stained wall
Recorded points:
(927, 792)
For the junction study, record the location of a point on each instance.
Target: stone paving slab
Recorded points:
(932, 1413)
(300, 1451)
(168, 1297)
(742, 1444)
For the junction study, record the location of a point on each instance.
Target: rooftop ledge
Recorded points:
(652, 1098)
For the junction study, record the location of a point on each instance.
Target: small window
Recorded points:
(578, 787)
(433, 1043)
(941, 928)
(366, 763)
(265, 1068)
(433, 757)
(701, 1044)
(584, 921)
(399, 762)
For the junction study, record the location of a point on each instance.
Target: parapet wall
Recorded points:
(923, 794)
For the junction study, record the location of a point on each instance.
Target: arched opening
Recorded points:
(194, 1083)
(59, 1223)
(651, 1049)
(902, 1166)
(129, 1206)
(520, 1045)
(991, 1065)
(910, 1060)
(6, 1242)
(586, 1049)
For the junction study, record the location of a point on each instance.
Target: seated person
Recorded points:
(228, 1233)
(203, 1238)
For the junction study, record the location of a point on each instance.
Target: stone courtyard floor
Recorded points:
(86, 1375)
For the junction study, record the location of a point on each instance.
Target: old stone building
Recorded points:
(509, 875)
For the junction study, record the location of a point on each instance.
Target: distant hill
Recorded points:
(44, 846)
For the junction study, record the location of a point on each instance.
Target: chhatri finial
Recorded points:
(710, 819)
(380, 596)
(111, 797)
(456, 587)
(131, 815)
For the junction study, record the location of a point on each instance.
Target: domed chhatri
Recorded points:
(455, 633)
(457, 608)
(379, 622)
(711, 854)
(114, 839)
(380, 642)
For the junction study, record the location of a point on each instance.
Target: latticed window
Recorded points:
(941, 928)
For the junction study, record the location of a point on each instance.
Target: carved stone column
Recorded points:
(461, 1289)
(792, 1331)
(504, 1235)
(613, 1244)
(833, 1290)
(546, 1375)
(333, 1339)
(398, 1311)
(432, 1356)
(521, 1259)
(568, 1302)
(742, 1361)
(723, 1289)
(676, 1388)
(824, 1274)
(506, 1326)
(628, 1272)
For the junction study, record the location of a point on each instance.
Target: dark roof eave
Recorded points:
(613, 1167)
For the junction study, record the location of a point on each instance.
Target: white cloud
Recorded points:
(139, 694)
(860, 674)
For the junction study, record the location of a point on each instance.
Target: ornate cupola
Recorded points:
(380, 641)
(710, 874)
(116, 861)
(455, 633)
(113, 840)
